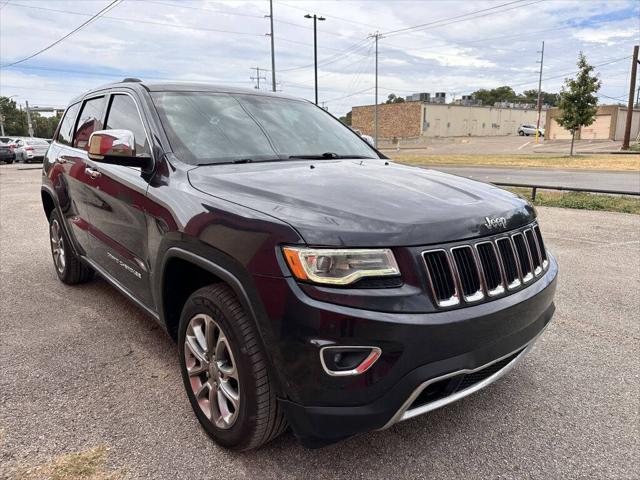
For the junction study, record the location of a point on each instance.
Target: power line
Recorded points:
(91, 20)
(342, 19)
(458, 18)
(138, 21)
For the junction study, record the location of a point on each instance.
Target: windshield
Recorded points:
(208, 128)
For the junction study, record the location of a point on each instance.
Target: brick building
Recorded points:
(422, 119)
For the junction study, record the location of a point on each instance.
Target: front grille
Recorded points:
(492, 267)
(457, 383)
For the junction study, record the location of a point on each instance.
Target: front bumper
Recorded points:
(419, 350)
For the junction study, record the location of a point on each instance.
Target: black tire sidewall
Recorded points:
(240, 433)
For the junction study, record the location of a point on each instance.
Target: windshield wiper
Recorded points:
(328, 156)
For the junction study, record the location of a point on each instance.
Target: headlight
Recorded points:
(340, 266)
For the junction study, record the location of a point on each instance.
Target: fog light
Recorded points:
(339, 361)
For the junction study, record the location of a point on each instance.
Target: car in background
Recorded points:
(31, 149)
(529, 129)
(7, 154)
(366, 138)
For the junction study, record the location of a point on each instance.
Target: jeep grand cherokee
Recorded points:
(309, 281)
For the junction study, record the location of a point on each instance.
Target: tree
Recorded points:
(15, 123)
(346, 119)
(500, 94)
(393, 98)
(578, 101)
(531, 96)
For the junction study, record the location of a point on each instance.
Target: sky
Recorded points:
(455, 50)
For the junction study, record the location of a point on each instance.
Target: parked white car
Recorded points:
(31, 149)
(529, 129)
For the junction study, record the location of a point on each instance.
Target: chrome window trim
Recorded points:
(453, 300)
(405, 412)
(478, 295)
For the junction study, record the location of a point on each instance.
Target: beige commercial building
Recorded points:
(608, 125)
(423, 119)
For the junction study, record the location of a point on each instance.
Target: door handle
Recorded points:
(92, 172)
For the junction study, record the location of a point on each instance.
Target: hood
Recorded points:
(365, 203)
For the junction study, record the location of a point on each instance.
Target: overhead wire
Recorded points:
(93, 18)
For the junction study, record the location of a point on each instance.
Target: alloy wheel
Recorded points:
(212, 370)
(57, 246)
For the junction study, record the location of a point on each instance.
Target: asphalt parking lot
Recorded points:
(82, 367)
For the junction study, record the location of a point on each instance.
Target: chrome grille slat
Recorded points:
(470, 272)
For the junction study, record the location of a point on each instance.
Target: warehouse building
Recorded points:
(608, 125)
(424, 118)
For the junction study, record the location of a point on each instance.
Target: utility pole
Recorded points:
(376, 36)
(632, 90)
(29, 124)
(273, 51)
(316, 19)
(1, 123)
(540, 93)
(257, 78)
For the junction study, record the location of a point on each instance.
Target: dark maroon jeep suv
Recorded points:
(309, 281)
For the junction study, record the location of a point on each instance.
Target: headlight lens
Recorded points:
(340, 266)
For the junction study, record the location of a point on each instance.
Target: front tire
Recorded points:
(68, 266)
(521, 133)
(225, 371)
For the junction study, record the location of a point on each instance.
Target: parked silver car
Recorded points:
(529, 129)
(31, 149)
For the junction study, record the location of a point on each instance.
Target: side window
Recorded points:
(90, 121)
(66, 126)
(124, 115)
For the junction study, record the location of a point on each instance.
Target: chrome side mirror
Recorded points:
(116, 147)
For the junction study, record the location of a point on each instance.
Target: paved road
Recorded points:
(81, 366)
(501, 145)
(623, 181)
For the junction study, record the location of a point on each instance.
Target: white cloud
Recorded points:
(458, 58)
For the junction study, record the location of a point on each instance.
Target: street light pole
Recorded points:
(315, 48)
(273, 52)
(540, 93)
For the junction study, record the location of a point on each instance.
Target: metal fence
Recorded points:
(534, 189)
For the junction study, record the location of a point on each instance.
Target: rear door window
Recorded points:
(123, 114)
(90, 121)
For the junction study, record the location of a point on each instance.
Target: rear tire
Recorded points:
(69, 268)
(225, 371)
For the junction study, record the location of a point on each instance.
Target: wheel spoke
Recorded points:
(214, 413)
(230, 393)
(194, 347)
(201, 367)
(200, 337)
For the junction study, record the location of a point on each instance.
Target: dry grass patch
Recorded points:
(582, 200)
(86, 465)
(622, 162)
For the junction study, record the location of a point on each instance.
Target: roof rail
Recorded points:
(131, 79)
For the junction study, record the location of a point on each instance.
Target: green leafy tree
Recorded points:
(15, 121)
(393, 98)
(494, 95)
(531, 96)
(578, 101)
(346, 119)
